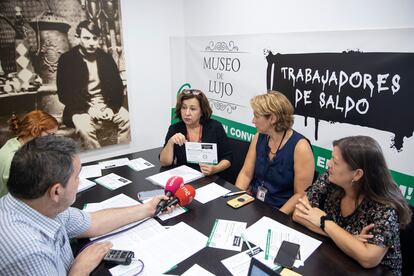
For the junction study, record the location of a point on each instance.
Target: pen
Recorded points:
(247, 243)
(234, 193)
(268, 239)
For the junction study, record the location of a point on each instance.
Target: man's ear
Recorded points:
(55, 192)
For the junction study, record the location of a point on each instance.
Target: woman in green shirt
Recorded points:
(34, 124)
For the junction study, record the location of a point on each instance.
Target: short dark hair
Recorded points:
(202, 100)
(40, 163)
(88, 25)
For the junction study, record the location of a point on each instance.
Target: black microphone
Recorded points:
(173, 183)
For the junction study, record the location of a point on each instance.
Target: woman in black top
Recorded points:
(195, 125)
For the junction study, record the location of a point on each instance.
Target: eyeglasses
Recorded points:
(192, 91)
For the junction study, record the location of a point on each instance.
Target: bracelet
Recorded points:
(323, 219)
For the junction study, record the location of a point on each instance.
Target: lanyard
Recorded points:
(199, 134)
(268, 162)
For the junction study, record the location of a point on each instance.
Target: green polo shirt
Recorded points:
(6, 155)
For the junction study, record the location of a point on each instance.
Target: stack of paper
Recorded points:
(85, 184)
(162, 251)
(112, 181)
(140, 164)
(187, 173)
(142, 231)
(159, 249)
(113, 163)
(90, 171)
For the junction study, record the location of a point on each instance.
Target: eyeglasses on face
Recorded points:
(192, 91)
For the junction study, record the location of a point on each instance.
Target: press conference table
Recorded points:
(326, 260)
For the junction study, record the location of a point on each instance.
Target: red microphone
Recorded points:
(172, 185)
(183, 196)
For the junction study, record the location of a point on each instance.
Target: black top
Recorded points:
(212, 132)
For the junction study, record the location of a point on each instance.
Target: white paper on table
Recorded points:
(142, 231)
(226, 234)
(91, 207)
(187, 173)
(210, 192)
(197, 270)
(114, 163)
(90, 171)
(139, 164)
(238, 264)
(156, 254)
(201, 152)
(117, 201)
(112, 181)
(265, 227)
(85, 184)
(176, 212)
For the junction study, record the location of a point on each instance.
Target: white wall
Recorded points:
(215, 17)
(148, 25)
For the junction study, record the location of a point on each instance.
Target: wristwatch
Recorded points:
(323, 219)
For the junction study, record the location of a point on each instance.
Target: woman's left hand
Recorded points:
(207, 169)
(312, 214)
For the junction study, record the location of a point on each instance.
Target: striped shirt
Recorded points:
(33, 244)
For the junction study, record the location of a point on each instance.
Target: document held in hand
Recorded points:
(201, 152)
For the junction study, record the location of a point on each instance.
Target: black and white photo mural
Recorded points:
(65, 58)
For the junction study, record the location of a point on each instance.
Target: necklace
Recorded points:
(283, 137)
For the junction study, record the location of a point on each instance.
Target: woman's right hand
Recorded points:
(178, 139)
(365, 235)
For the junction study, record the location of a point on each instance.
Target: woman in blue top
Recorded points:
(279, 165)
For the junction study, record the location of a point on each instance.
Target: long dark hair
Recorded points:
(363, 152)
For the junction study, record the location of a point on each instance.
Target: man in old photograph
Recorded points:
(90, 87)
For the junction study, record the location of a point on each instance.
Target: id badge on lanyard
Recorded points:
(261, 190)
(261, 193)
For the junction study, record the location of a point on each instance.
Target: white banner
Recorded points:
(341, 84)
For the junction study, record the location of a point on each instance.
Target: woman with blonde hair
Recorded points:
(279, 165)
(34, 124)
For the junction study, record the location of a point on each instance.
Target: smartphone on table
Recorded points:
(149, 194)
(287, 254)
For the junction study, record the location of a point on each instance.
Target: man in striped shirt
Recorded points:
(36, 221)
